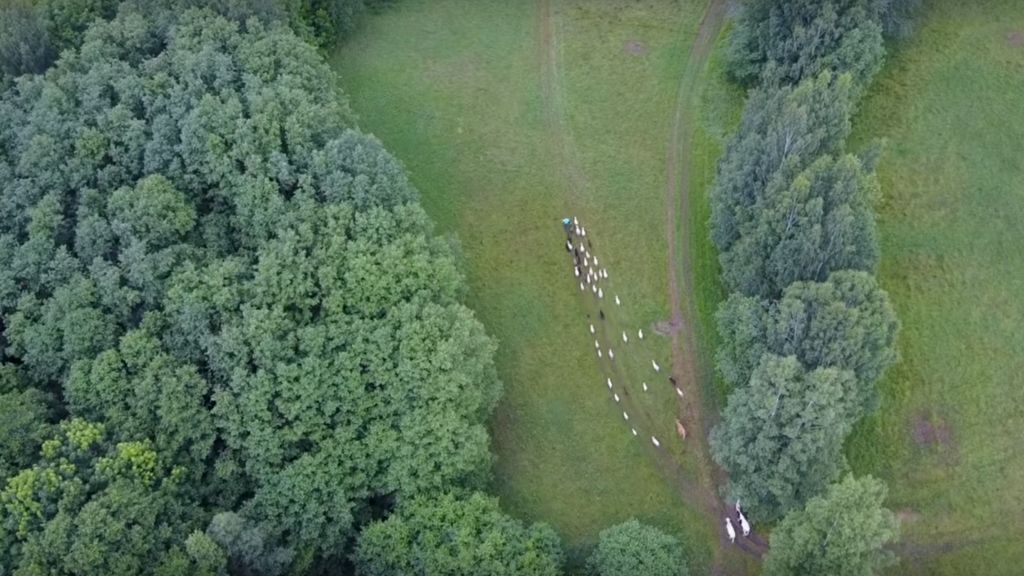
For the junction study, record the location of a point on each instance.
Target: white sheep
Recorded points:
(575, 222)
(617, 301)
(679, 392)
(604, 273)
(645, 386)
(744, 525)
(609, 383)
(640, 333)
(626, 416)
(600, 293)
(655, 441)
(611, 354)
(616, 397)
(591, 328)
(582, 288)
(576, 271)
(593, 288)
(634, 431)
(595, 261)
(583, 232)
(730, 530)
(655, 366)
(568, 245)
(598, 352)
(624, 337)
(577, 230)
(597, 344)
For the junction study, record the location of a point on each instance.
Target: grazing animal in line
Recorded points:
(568, 245)
(598, 352)
(593, 288)
(616, 397)
(595, 261)
(626, 416)
(576, 270)
(645, 386)
(575, 221)
(744, 525)
(591, 328)
(634, 431)
(655, 441)
(730, 530)
(680, 429)
(600, 313)
(640, 333)
(672, 379)
(655, 366)
(624, 337)
(597, 344)
(609, 383)
(611, 354)
(617, 301)
(604, 273)
(600, 293)
(582, 288)
(679, 392)
(583, 232)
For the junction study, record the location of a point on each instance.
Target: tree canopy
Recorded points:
(451, 535)
(842, 533)
(783, 42)
(634, 548)
(781, 436)
(783, 131)
(845, 322)
(821, 220)
(202, 256)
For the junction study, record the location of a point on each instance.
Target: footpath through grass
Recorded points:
(949, 435)
(454, 88)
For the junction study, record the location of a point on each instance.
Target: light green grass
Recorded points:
(952, 229)
(453, 87)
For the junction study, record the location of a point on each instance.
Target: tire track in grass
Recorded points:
(696, 409)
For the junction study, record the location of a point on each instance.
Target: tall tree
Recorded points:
(634, 548)
(842, 533)
(822, 220)
(448, 535)
(783, 131)
(786, 41)
(781, 435)
(845, 322)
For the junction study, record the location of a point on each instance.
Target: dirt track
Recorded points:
(702, 492)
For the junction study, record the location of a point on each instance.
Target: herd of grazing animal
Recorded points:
(588, 271)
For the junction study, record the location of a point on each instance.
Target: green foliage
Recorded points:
(634, 548)
(25, 44)
(25, 421)
(846, 322)
(198, 252)
(781, 435)
(842, 533)
(782, 42)
(92, 508)
(448, 535)
(782, 133)
(804, 229)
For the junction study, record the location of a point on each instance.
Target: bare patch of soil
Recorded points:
(635, 47)
(1015, 38)
(932, 430)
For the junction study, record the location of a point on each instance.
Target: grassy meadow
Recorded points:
(501, 144)
(948, 439)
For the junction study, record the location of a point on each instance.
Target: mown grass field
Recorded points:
(456, 89)
(948, 439)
